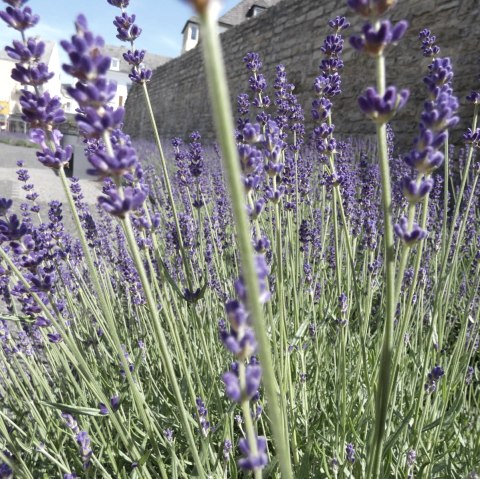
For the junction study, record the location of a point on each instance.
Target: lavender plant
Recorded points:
(319, 346)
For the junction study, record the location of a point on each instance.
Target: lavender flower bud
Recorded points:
(120, 205)
(373, 41)
(42, 111)
(123, 161)
(338, 24)
(5, 205)
(31, 51)
(472, 137)
(350, 453)
(142, 75)
(55, 159)
(84, 51)
(127, 30)
(19, 19)
(134, 58)
(93, 123)
(32, 75)
(415, 191)
(11, 229)
(83, 441)
(411, 457)
(382, 109)
(227, 449)
(411, 237)
(251, 462)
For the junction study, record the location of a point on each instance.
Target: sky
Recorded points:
(161, 20)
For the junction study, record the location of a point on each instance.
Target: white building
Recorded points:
(119, 71)
(238, 14)
(10, 110)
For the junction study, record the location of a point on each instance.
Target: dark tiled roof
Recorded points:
(238, 13)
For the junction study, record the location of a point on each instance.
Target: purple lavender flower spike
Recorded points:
(32, 51)
(87, 63)
(19, 19)
(227, 449)
(251, 462)
(472, 137)
(338, 24)
(440, 73)
(253, 62)
(70, 475)
(202, 416)
(134, 58)
(41, 111)
(11, 229)
(425, 161)
(93, 94)
(55, 159)
(168, 433)
(55, 337)
(350, 453)
(373, 41)
(474, 97)
(232, 386)
(123, 161)
(83, 441)
(440, 114)
(411, 237)
(32, 75)
(103, 409)
(140, 75)
(42, 322)
(253, 377)
(411, 457)
(429, 48)
(382, 109)
(116, 205)
(5, 470)
(71, 422)
(5, 205)
(433, 377)
(415, 191)
(93, 124)
(115, 402)
(126, 28)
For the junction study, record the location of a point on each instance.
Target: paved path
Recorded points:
(47, 184)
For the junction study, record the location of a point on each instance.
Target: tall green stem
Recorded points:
(171, 200)
(384, 373)
(220, 101)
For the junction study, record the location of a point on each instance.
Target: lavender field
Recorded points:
(279, 303)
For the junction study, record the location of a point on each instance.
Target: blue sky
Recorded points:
(161, 20)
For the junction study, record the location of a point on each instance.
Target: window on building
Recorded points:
(193, 32)
(115, 64)
(257, 11)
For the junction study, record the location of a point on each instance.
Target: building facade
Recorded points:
(244, 10)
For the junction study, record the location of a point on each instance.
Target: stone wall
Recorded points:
(292, 33)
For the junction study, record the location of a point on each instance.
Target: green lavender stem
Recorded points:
(383, 383)
(216, 77)
(163, 163)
